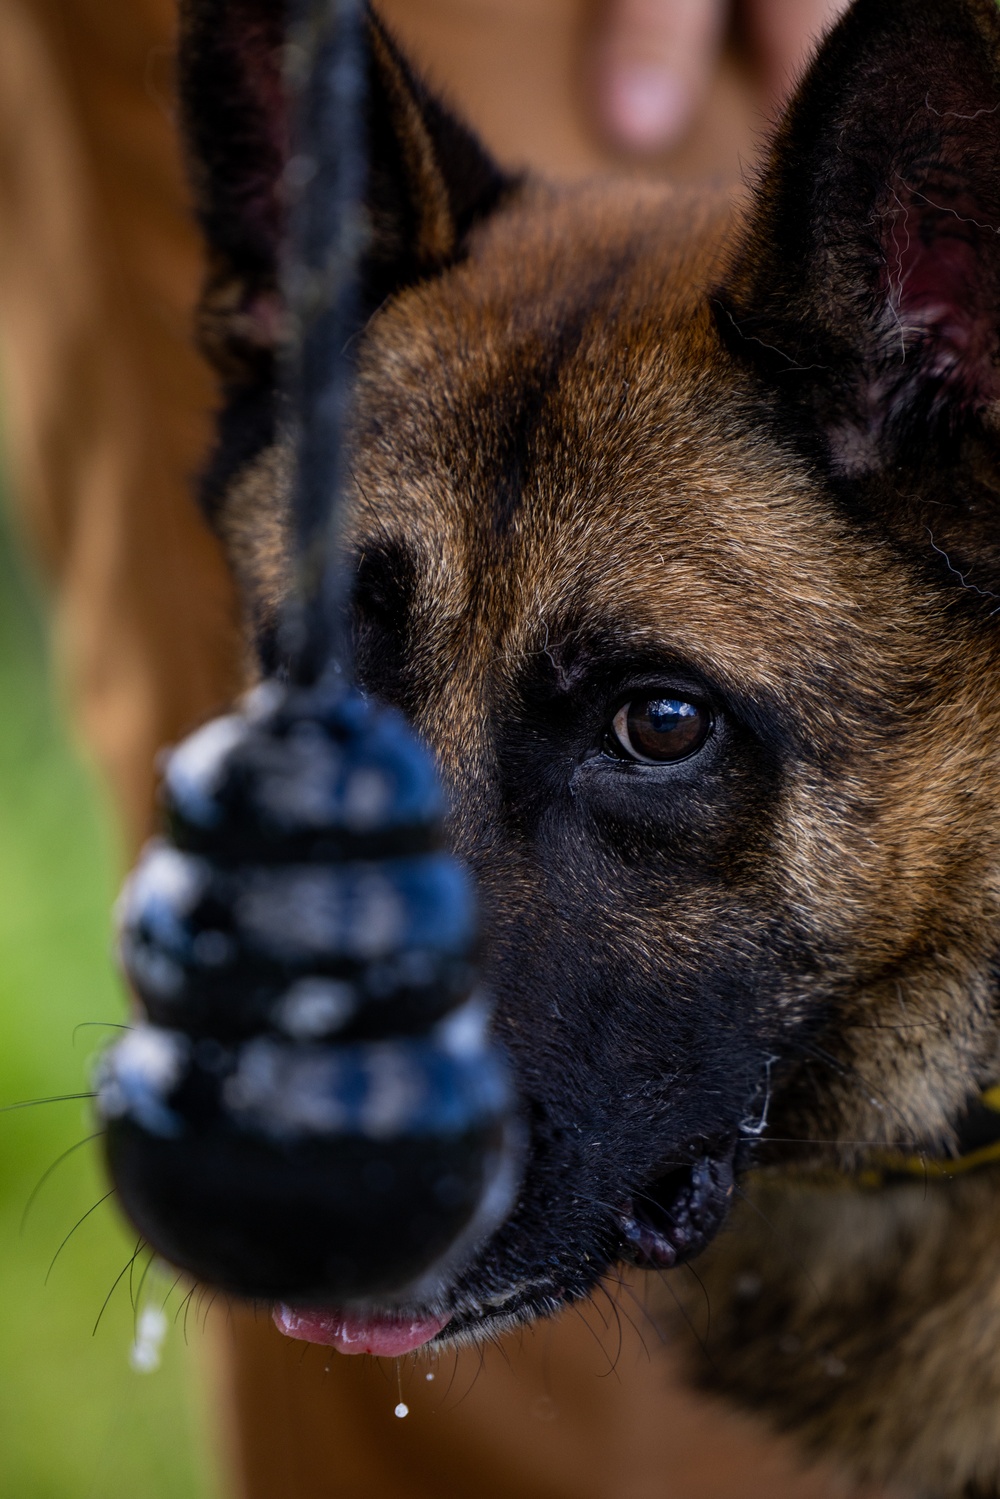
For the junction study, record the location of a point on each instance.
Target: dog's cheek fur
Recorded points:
(867, 1322)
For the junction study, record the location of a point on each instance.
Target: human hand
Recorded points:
(653, 59)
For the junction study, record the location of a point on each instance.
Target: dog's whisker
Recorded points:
(49, 1170)
(649, 1321)
(682, 1309)
(79, 1222)
(579, 1312)
(101, 1025)
(137, 1299)
(708, 1300)
(37, 1103)
(183, 1307)
(171, 1289)
(126, 1269)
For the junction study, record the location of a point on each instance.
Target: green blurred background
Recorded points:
(76, 1422)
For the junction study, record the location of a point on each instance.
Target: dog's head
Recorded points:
(676, 537)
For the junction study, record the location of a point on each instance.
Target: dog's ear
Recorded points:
(868, 284)
(429, 179)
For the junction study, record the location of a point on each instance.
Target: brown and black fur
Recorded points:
(616, 440)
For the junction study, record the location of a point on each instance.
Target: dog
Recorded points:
(675, 535)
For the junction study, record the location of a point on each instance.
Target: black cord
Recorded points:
(328, 234)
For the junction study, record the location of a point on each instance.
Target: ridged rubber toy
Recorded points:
(310, 1109)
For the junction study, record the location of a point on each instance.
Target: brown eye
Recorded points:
(658, 730)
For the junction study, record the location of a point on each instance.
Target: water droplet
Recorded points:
(402, 1410)
(151, 1329)
(428, 1376)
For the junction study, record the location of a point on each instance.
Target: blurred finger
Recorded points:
(652, 64)
(784, 34)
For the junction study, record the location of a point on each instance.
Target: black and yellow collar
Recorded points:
(977, 1145)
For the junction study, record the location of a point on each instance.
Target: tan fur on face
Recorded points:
(661, 504)
(657, 497)
(255, 526)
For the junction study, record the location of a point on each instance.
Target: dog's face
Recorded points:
(675, 536)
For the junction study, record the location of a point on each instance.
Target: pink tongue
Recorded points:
(384, 1333)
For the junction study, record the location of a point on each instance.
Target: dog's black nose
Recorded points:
(314, 1111)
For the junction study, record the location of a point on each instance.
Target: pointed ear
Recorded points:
(430, 182)
(868, 284)
(236, 130)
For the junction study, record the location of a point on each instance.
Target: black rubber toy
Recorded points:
(310, 1109)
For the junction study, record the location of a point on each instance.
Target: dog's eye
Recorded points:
(658, 730)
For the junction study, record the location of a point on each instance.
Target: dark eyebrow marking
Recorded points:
(385, 584)
(518, 416)
(507, 416)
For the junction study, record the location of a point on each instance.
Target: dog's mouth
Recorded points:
(671, 1221)
(389, 1333)
(679, 1213)
(385, 1334)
